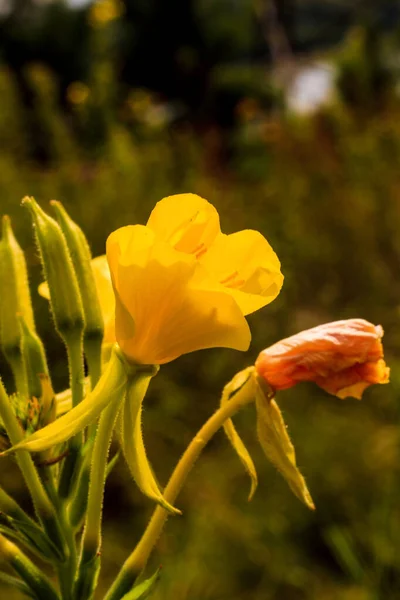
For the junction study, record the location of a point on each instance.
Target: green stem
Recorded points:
(89, 566)
(69, 473)
(139, 557)
(92, 346)
(67, 571)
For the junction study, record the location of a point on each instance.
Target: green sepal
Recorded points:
(109, 388)
(131, 439)
(143, 590)
(275, 442)
(229, 390)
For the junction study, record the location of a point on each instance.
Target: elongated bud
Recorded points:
(65, 299)
(34, 358)
(81, 257)
(15, 299)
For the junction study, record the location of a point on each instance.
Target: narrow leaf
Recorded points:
(133, 446)
(277, 446)
(17, 584)
(229, 390)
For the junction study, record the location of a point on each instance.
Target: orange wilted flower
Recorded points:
(343, 358)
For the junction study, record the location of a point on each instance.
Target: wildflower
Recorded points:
(181, 285)
(343, 358)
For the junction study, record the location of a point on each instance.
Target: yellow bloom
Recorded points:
(181, 285)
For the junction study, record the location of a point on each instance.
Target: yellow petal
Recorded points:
(246, 265)
(186, 222)
(162, 308)
(105, 292)
(277, 446)
(231, 388)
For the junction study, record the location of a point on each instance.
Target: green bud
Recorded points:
(81, 259)
(34, 358)
(65, 299)
(15, 299)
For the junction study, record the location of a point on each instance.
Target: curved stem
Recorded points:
(139, 557)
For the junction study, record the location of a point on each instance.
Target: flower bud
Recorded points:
(15, 296)
(81, 259)
(343, 358)
(65, 299)
(34, 358)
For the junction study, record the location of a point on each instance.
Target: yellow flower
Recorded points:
(181, 285)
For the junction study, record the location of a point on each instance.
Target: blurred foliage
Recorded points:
(325, 191)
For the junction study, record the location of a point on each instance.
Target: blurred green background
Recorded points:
(286, 115)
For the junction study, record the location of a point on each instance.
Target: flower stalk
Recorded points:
(136, 562)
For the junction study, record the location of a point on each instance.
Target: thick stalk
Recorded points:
(139, 557)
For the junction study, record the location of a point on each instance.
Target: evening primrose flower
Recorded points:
(343, 358)
(181, 285)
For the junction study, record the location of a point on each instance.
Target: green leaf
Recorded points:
(229, 390)
(277, 446)
(110, 388)
(31, 536)
(16, 583)
(132, 441)
(144, 589)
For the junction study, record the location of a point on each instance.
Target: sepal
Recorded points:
(229, 390)
(131, 438)
(275, 442)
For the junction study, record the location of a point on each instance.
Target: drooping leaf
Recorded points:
(277, 446)
(132, 442)
(229, 390)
